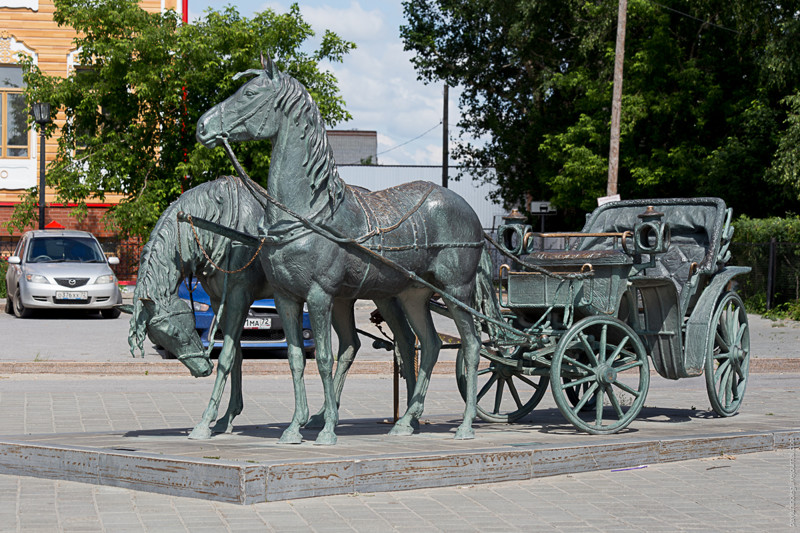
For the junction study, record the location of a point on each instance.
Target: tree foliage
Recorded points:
(711, 96)
(142, 82)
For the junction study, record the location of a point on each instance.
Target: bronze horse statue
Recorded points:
(171, 256)
(329, 242)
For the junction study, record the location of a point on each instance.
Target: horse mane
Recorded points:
(163, 258)
(299, 107)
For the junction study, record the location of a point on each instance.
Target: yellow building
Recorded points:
(27, 27)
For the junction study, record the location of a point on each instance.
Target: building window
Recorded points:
(14, 132)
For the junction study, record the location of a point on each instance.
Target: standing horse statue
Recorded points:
(330, 242)
(170, 256)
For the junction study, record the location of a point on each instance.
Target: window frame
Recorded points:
(4, 146)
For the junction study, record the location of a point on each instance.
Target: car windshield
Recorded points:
(64, 250)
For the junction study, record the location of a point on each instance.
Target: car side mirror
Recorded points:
(113, 260)
(14, 260)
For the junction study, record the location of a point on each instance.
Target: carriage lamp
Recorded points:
(41, 115)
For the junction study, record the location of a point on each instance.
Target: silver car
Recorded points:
(61, 269)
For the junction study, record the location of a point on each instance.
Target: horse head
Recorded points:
(247, 114)
(170, 323)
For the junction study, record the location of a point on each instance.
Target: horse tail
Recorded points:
(138, 327)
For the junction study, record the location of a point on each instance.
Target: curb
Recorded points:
(278, 367)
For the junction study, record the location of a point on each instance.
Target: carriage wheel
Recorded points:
(728, 356)
(504, 394)
(608, 357)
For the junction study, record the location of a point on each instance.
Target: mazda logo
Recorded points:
(72, 282)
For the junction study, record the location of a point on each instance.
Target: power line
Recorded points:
(662, 6)
(411, 140)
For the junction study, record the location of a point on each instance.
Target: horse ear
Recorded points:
(269, 66)
(125, 308)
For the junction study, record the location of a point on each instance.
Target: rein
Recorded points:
(333, 235)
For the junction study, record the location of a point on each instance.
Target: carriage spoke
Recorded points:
(486, 370)
(628, 366)
(615, 403)
(527, 380)
(577, 363)
(585, 398)
(498, 396)
(598, 408)
(587, 348)
(603, 342)
(628, 389)
(488, 386)
(619, 349)
(722, 368)
(514, 394)
(578, 382)
(721, 342)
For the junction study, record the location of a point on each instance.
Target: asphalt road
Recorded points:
(80, 336)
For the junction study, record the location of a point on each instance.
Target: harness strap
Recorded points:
(331, 234)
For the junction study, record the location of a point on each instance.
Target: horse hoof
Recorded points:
(325, 439)
(465, 434)
(415, 424)
(291, 437)
(401, 430)
(222, 427)
(200, 432)
(316, 422)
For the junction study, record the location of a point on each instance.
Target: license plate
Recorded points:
(71, 295)
(258, 323)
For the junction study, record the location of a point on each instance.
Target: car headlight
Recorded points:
(198, 306)
(36, 278)
(102, 280)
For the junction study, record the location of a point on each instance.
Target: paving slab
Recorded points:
(149, 451)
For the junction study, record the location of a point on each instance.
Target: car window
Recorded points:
(20, 247)
(64, 250)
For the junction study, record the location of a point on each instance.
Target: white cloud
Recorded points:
(377, 80)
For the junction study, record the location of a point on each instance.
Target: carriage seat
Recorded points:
(695, 225)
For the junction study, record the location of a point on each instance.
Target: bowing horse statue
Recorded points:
(328, 242)
(233, 277)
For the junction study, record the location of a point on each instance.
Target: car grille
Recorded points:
(70, 302)
(255, 335)
(72, 282)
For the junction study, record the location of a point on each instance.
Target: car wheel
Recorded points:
(111, 312)
(9, 305)
(20, 311)
(311, 354)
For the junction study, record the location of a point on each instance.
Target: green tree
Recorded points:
(141, 84)
(707, 96)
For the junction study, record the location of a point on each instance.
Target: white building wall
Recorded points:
(375, 177)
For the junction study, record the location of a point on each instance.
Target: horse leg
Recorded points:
(230, 322)
(404, 344)
(320, 305)
(471, 347)
(415, 305)
(290, 311)
(236, 403)
(344, 325)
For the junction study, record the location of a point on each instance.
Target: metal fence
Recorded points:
(775, 278)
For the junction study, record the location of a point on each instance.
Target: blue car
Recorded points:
(263, 328)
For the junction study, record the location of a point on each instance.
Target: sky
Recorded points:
(377, 80)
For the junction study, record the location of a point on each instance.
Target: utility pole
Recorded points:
(616, 102)
(445, 140)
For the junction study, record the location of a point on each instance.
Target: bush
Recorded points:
(751, 247)
(3, 268)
